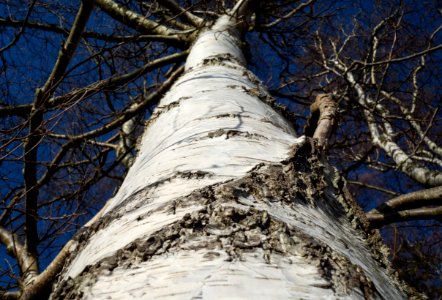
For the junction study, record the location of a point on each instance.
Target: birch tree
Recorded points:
(211, 198)
(223, 197)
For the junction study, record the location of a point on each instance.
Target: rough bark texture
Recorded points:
(223, 201)
(283, 231)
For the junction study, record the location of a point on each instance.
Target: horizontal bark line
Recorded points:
(259, 92)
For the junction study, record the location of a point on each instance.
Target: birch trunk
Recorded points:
(225, 202)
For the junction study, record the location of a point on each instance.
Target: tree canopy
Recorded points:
(80, 78)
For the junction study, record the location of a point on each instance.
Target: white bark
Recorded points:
(206, 99)
(209, 209)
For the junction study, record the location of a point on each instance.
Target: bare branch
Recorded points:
(432, 196)
(422, 133)
(113, 82)
(400, 59)
(127, 114)
(385, 141)
(139, 22)
(22, 110)
(176, 8)
(21, 30)
(16, 249)
(67, 50)
(86, 34)
(44, 280)
(322, 113)
(377, 188)
(428, 213)
(30, 145)
(9, 295)
(290, 14)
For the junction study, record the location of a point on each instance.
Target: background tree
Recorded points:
(78, 80)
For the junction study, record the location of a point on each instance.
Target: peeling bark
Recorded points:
(224, 201)
(292, 214)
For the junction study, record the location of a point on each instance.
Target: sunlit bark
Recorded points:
(224, 201)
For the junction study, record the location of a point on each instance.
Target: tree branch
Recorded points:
(30, 146)
(385, 140)
(67, 50)
(22, 110)
(432, 196)
(138, 22)
(86, 34)
(322, 114)
(17, 250)
(127, 114)
(381, 219)
(290, 14)
(42, 282)
(21, 30)
(176, 8)
(400, 59)
(9, 295)
(369, 186)
(113, 82)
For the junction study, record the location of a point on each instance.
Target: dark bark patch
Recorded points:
(234, 133)
(226, 224)
(163, 109)
(236, 116)
(234, 230)
(193, 174)
(262, 94)
(222, 60)
(216, 133)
